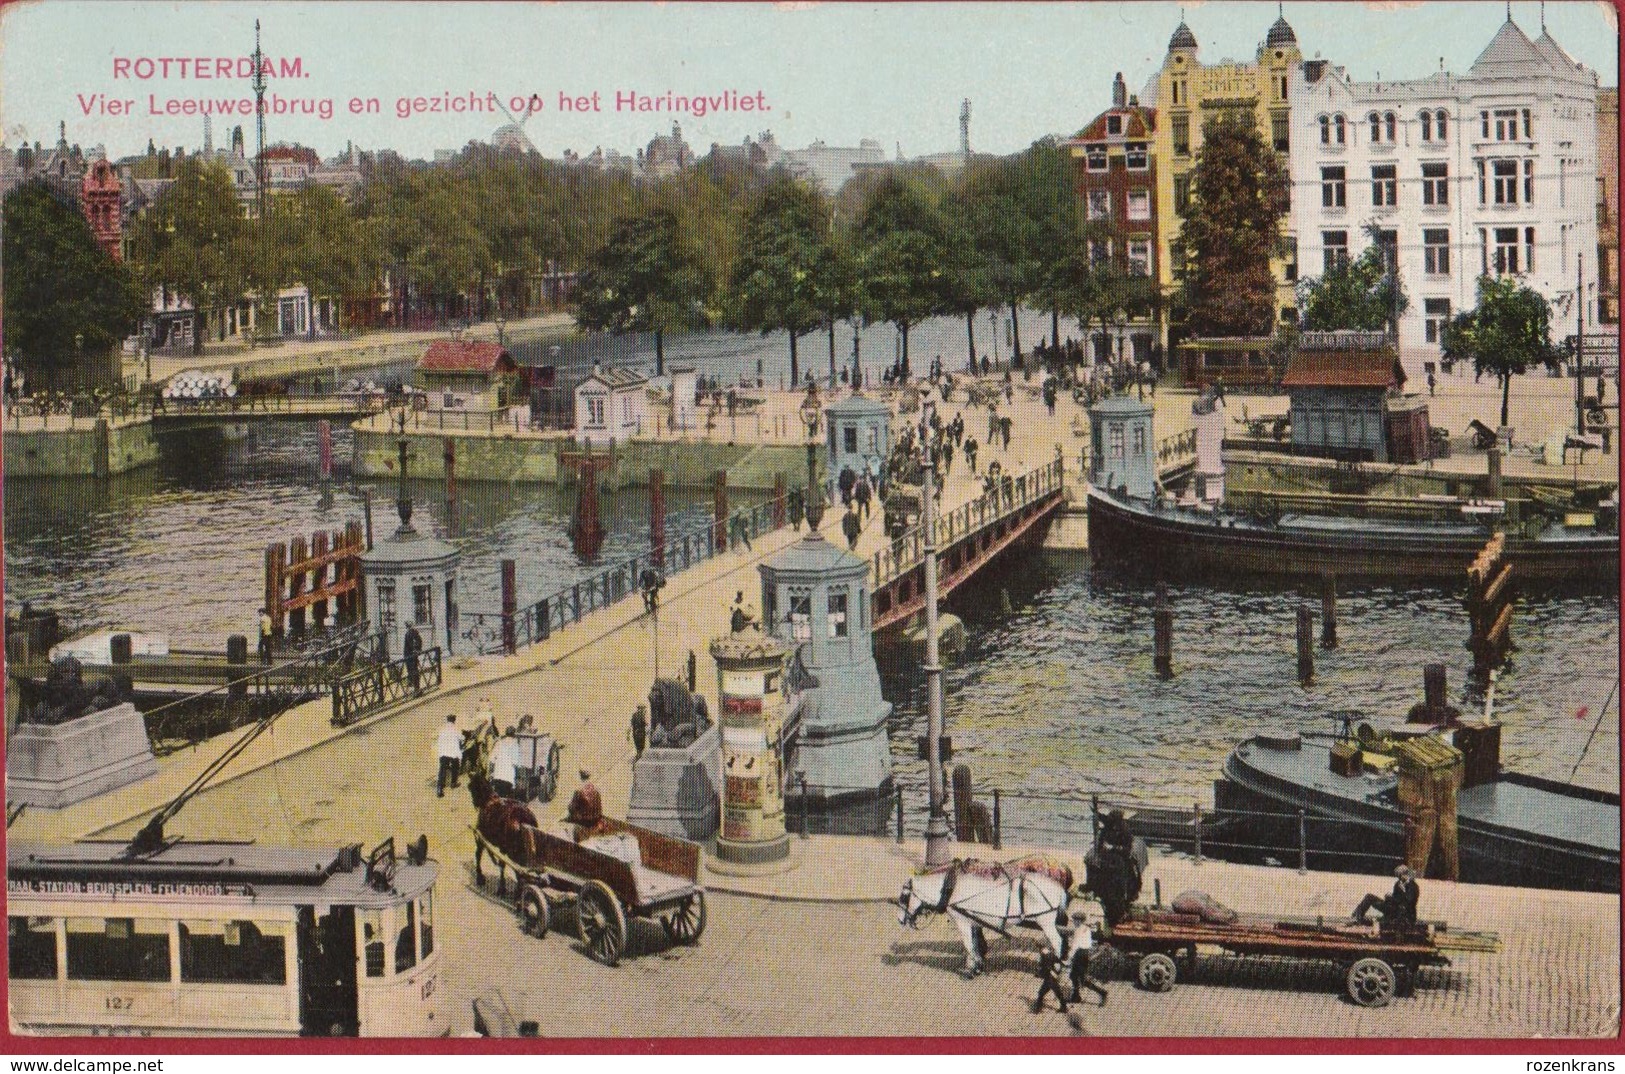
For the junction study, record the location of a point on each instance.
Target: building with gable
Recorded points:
(612, 405)
(1492, 172)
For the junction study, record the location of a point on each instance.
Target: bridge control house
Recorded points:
(468, 375)
(1348, 402)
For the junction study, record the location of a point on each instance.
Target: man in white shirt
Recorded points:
(504, 761)
(448, 747)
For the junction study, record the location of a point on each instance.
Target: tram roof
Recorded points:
(204, 868)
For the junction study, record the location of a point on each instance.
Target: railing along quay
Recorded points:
(536, 622)
(380, 685)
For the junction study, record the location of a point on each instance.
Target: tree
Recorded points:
(970, 279)
(1233, 226)
(65, 299)
(784, 277)
(1507, 333)
(646, 278)
(902, 248)
(195, 242)
(1361, 295)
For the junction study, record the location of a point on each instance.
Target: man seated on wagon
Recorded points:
(586, 810)
(1399, 908)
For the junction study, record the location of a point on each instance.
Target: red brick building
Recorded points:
(1117, 189)
(100, 198)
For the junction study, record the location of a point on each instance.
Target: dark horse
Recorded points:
(504, 823)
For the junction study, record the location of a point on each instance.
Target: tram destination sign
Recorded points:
(151, 888)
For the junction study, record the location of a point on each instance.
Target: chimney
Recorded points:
(1119, 91)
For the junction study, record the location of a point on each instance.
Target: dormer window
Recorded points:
(1114, 124)
(1136, 156)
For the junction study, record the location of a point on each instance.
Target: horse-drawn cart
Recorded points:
(620, 872)
(1377, 963)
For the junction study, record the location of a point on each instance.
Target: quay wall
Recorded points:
(97, 448)
(484, 456)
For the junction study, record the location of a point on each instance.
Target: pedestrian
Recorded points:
(1004, 431)
(1077, 940)
(448, 749)
(992, 421)
(947, 456)
(411, 646)
(1399, 908)
(846, 482)
(740, 618)
(1602, 390)
(1432, 382)
(693, 671)
(640, 730)
(970, 453)
(739, 531)
(504, 762)
(266, 628)
(863, 494)
(798, 507)
(852, 527)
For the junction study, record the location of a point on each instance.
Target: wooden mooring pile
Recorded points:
(323, 576)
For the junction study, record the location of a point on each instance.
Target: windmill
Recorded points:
(532, 106)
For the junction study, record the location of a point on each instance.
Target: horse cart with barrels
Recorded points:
(610, 875)
(1377, 963)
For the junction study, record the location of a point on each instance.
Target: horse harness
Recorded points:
(945, 903)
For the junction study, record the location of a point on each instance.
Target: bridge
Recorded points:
(177, 415)
(969, 537)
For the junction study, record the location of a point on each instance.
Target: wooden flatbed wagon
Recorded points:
(621, 872)
(1377, 963)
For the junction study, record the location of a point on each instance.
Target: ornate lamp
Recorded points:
(811, 410)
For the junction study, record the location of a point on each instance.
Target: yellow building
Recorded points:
(1188, 94)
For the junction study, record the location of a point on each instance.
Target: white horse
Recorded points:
(979, 895)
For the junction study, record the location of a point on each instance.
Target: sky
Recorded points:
(837, 72)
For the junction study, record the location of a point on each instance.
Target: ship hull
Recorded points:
(1129, 536)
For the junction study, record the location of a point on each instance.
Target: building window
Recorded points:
(1332, 192)
(1182, 134)
(849, 439)
(837, 615)
(1114, 440)
(385, 592)
(1529, 249)
(1095, 158)
(1436, 251)
(1176, 258)
(1528, 128)
(1182, 193)
(1139, 204)
(31, 948)
(1426, 119)
(1281, 131)
(118, 949)
(1440, 129)
(1506, 125)
(1281, 87)
(1506, 181)
(1325, 130)
(1375, 122)
(1384, 185)
(1506, 251)
(1390, 126)
(422, 605)
(1436, 317)
(1139, 257)
(1529, 182)
(1100, 252)
(1114, 124)
(595, 412)
(1100, 205)
(1139, 442)
(426, 923)
(1336, 244)
(1387, 243)
(1436, 183)
(1339, 128)
(800, 615)
(1136, 156)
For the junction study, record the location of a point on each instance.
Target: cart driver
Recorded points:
(586, 810)
(1399, 908)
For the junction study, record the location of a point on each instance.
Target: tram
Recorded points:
(222, 938)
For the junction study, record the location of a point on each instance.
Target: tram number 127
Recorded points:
(120, 1003)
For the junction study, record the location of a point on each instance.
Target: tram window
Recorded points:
(233, 952)
(405, 942)
(426, 923)
(32, 948)
(118, 949)
(372, 939)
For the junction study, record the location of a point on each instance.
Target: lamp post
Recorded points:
(993, 327)
(403, 503)
(936, 828)
(502, 329)
(810, 410)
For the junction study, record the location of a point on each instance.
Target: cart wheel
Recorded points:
(533, 911)
(602, 922)
(1157, 972)
(687, 921)
(1371, 982)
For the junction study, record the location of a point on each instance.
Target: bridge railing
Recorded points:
(490, 632)
(381, 685)
(1008, 495)
(1176, 450)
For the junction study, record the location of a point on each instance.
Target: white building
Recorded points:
(612, 405)
(1489, 172)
